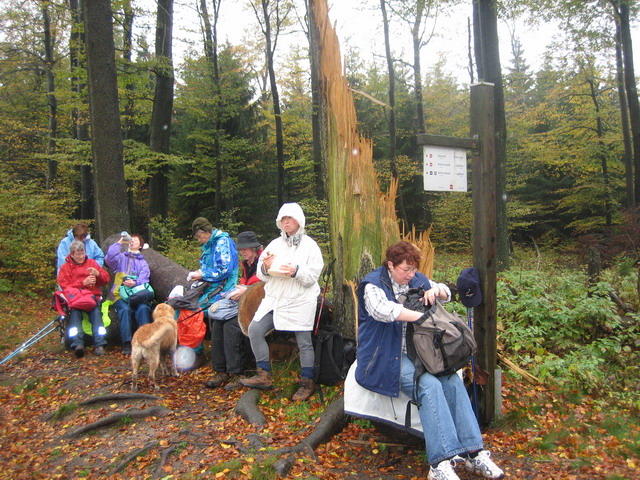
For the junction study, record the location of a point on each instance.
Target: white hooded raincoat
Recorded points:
(293, 300)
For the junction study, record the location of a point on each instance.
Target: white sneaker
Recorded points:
(483, 465)
(443, 471)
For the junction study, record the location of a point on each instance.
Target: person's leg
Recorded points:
(124, 315)
(307, 359)
(97, 328)
(307, 355)
(234, 351)
(142, 314)
(218, 361)
(257, 333)
(441, 437)
(464, 419)
(75, 333)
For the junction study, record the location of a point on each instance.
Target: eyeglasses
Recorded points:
(407, 269)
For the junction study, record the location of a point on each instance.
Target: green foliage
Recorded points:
(183, 251)
(565, 332)
(33, 223)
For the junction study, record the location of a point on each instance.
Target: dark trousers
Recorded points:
(75, 332)
(228, 346)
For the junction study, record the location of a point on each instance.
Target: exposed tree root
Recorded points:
(116, 417)
(164, 454)
(118, 397)
(133, 455)
(332, 421)
(247, 408)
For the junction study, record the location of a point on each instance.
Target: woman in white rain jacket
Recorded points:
(290, 267)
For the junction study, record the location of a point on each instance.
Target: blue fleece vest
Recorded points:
(380, 343)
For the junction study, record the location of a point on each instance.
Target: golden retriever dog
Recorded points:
(249, 303)
(153, 341)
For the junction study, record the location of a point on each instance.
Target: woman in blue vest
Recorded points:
(448, 422)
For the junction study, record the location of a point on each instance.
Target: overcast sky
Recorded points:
(361, 28)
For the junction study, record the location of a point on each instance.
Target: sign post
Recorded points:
(445, 169)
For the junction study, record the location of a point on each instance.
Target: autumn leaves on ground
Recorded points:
(188, 431)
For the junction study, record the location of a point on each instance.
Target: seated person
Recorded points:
(82, 273)
(228, 343)
(79, 232)
(290, 267)
(448, 423)
(131, 270)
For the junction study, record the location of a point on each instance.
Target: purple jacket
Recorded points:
(127, 263)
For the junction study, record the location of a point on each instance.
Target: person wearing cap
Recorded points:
(449, 425)
(218, 267)
(228, 343)
(290, 267)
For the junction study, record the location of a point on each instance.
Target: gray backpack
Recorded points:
(440, 341)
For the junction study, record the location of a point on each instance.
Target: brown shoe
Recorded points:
(305, 390)
(262, 380)
(234, 382)
(218, 379)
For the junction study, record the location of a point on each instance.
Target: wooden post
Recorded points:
(485, 238)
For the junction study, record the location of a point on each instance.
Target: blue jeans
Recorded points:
(75, 332)
(449, 424)
(142, 314)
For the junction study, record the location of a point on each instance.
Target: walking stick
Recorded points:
(44, 331)
(474, 394)
(324, 294)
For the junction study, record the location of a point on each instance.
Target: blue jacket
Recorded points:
(380, 343)
(219, 260)
(90, 246)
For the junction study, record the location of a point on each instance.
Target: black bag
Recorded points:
(441, 340)
(334, 354)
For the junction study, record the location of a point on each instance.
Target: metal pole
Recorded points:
(38, 336)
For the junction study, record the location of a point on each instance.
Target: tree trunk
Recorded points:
(52, 165)
(211, 53)
(275, 97)
(80, 127)
(318, 114)
(129, 87)
(485, 29)
(392, 112)
(162, 110)
(630, 200)
(632, 92)
(602, 153)
(112, 213)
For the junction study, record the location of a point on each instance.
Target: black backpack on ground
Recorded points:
(334, 354)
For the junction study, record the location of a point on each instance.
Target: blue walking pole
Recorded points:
(474, 394)
(44, 331)
(468, 286)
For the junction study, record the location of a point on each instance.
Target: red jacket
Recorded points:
(249, 276)
(72, 274)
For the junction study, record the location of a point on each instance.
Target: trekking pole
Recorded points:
(38, 336)
(324, 294)
(474, 394)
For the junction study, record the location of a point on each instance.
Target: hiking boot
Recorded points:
(126, 348)
(304, 390)
(233, 383)
(218, 379)
(98, 351)
(262, 380)
(443, 471)
(483, 465)
(78, 351)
